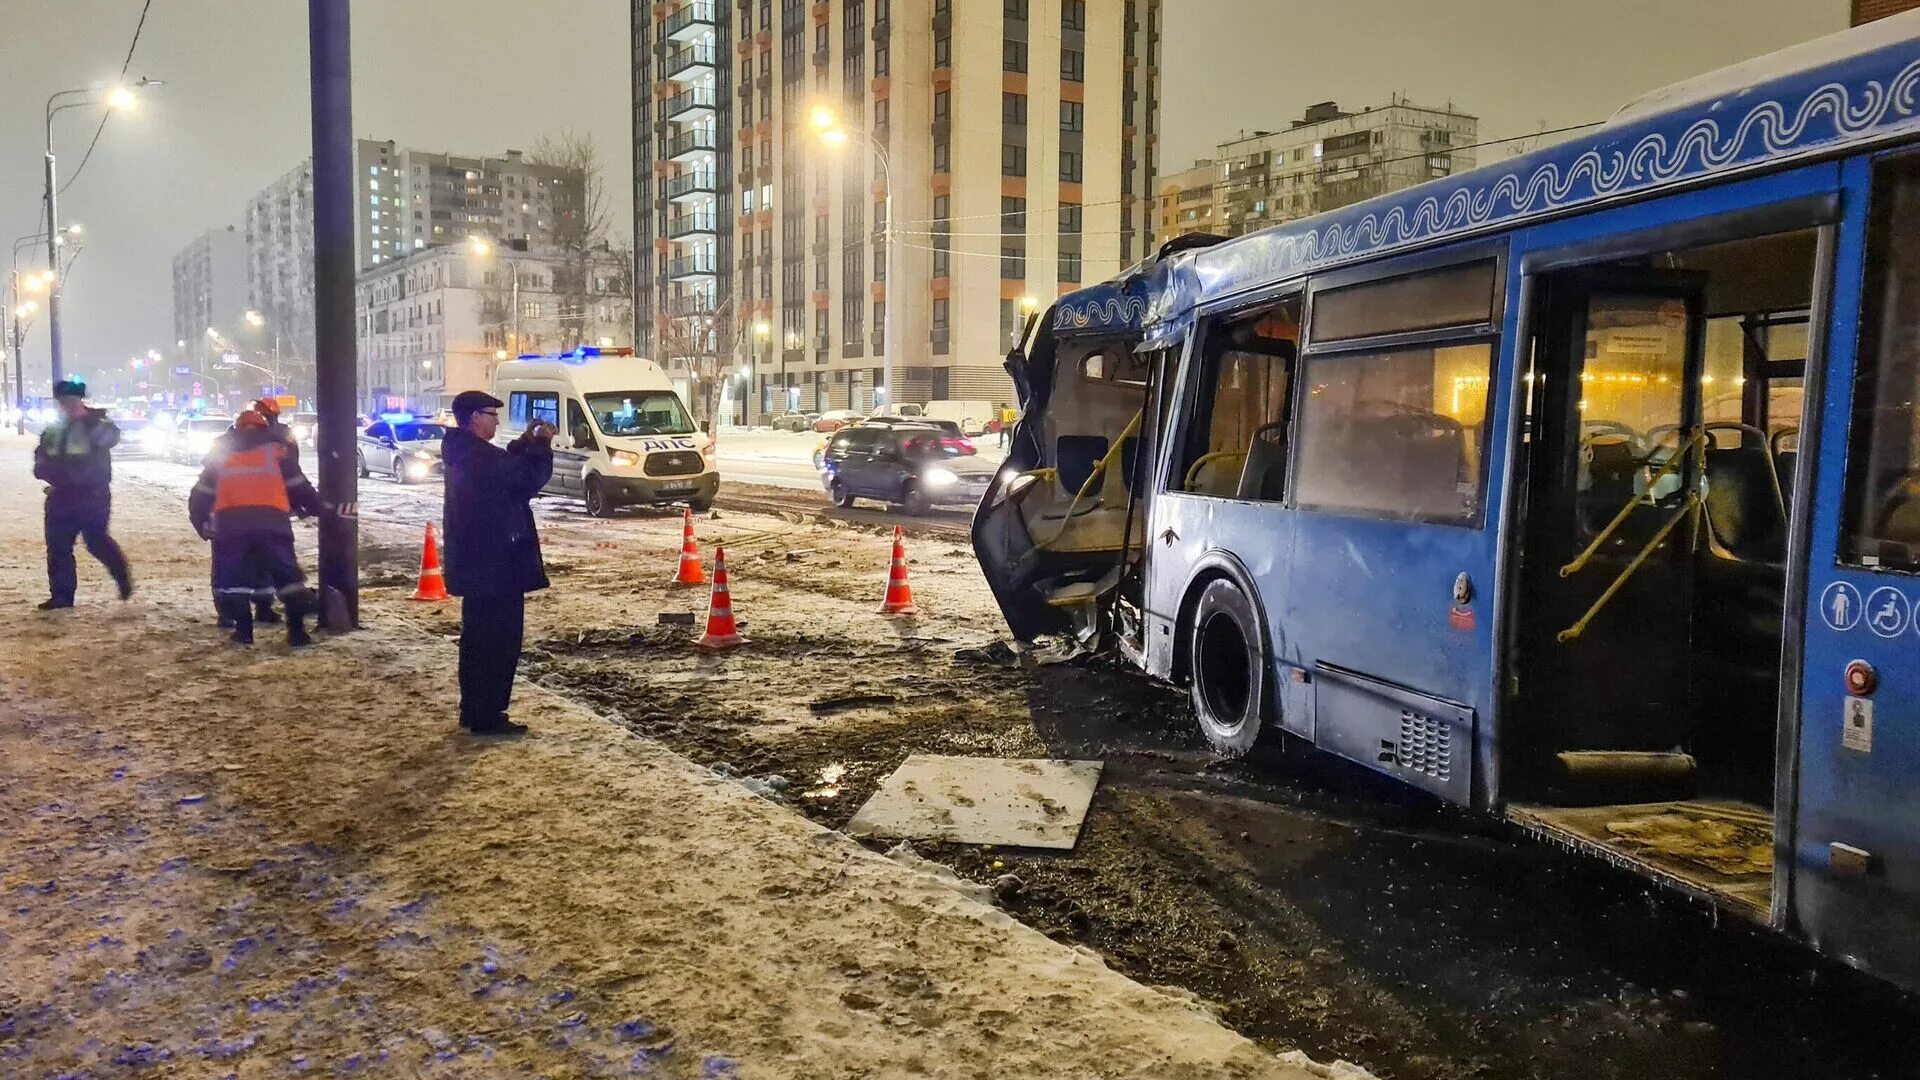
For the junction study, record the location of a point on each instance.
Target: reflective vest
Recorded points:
(252, 478)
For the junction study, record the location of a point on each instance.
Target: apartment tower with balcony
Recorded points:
(1020, 137)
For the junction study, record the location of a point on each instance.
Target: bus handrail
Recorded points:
(1580, 561)
(1193, 470)
(1099, 467)
(1693, 504)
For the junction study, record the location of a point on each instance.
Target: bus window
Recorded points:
(1236, 446)
(1396, 434)
(1883, 474)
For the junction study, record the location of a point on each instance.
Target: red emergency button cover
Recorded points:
(1861, 678)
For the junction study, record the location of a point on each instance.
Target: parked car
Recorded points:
(917, 466)
(402, 447)
(793, 421)
(306, 427)
(835, 419)
(193, 436)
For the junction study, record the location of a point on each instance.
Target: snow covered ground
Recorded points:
(262, 863)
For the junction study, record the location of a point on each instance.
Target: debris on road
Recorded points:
(991, 801)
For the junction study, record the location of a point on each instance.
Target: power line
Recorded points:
(1229, 185)
(124, 66)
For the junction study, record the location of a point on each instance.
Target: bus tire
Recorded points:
(1228, 664)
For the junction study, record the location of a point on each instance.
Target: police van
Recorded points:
(624, 436)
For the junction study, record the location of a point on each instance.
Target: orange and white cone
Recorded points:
(899, 599)
(721, 631)
(690, 571)
(433, 585)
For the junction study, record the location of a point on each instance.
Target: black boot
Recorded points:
(241, 612)
(299, 606)
(221, 609)
(263, 613)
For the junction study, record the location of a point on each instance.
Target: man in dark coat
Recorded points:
(492, 551)
(75, 458)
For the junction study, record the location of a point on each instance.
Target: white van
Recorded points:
(972, 416)
(624, 435)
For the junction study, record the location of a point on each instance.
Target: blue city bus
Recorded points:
(1582, 489)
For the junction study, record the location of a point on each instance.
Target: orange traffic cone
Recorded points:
(721, 631)
(690, 571)
(899, 599)
(433, 586)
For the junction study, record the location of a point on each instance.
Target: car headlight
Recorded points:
(199, 442)
(422, 455)
(153, 441)
(625, 457)
(417, 467)
(941, 477)
(303, 432)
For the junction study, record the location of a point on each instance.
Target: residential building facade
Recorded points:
(1327, 159)
(1020, 137)
(210, 285)
(438, 321)
(1184, 203)
(406, 201)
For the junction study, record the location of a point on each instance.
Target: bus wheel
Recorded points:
(596, 499)
(1229, 668)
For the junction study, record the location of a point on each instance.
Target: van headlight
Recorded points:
(625, 457)
(941, 477)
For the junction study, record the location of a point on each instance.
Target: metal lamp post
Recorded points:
(119, 97)
(834, 133)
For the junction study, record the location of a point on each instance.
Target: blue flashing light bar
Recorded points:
(398, 417)
(580, 354)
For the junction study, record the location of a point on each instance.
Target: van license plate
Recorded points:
(677, 485)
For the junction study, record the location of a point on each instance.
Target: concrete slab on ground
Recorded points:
(1025, 803)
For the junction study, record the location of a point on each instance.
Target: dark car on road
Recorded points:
(917, 466)
(402, 447)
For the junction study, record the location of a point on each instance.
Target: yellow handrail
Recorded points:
(1580, 561)
(1099, 467)
(1691, 508)
(1193, 470)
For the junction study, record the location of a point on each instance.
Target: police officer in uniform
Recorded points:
(75, 458)
(251, 485)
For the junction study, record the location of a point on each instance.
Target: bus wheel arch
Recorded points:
(1223, 652)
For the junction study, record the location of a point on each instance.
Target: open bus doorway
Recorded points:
(1665, 402)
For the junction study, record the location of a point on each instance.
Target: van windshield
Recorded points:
(644, 412)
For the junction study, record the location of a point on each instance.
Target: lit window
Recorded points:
(374, 184)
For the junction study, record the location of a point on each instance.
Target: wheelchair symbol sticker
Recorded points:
(1840, 606)
(1888, 611)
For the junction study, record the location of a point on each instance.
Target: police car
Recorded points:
(624, 436)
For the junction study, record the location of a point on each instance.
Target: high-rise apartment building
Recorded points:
(406, 201)
(1020, 138)
(1327, 159)
(210, 285)
(1184, 203)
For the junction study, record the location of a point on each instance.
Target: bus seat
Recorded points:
(1784, 445)
(1743, 504)
(1075, 457)
(1265, 475)
(1612, 470)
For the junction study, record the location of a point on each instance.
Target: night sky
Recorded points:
(482, 76)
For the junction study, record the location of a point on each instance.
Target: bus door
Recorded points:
(1606, 608)
(1855, 844)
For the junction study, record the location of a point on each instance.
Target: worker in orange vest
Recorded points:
(251, 486)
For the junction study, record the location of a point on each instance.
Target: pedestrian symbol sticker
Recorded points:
(1887, 611)
(1840, 606)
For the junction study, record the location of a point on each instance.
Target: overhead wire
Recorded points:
(125, 65)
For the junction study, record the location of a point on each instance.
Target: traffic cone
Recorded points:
(433, 586)
(899, 599)
(690, 571)
(721, 631)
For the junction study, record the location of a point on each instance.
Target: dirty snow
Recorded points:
(267, 864)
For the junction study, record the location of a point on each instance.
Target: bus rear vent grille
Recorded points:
(1425, 746)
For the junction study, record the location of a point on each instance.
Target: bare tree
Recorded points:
(582, 229)
(706, 342)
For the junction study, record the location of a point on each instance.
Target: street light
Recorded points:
(120, 97)
(827, 125)
(479, 246)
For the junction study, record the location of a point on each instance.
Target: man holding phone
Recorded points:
(492, 551)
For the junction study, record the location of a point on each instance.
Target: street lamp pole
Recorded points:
(834, 132)
(120, 97)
